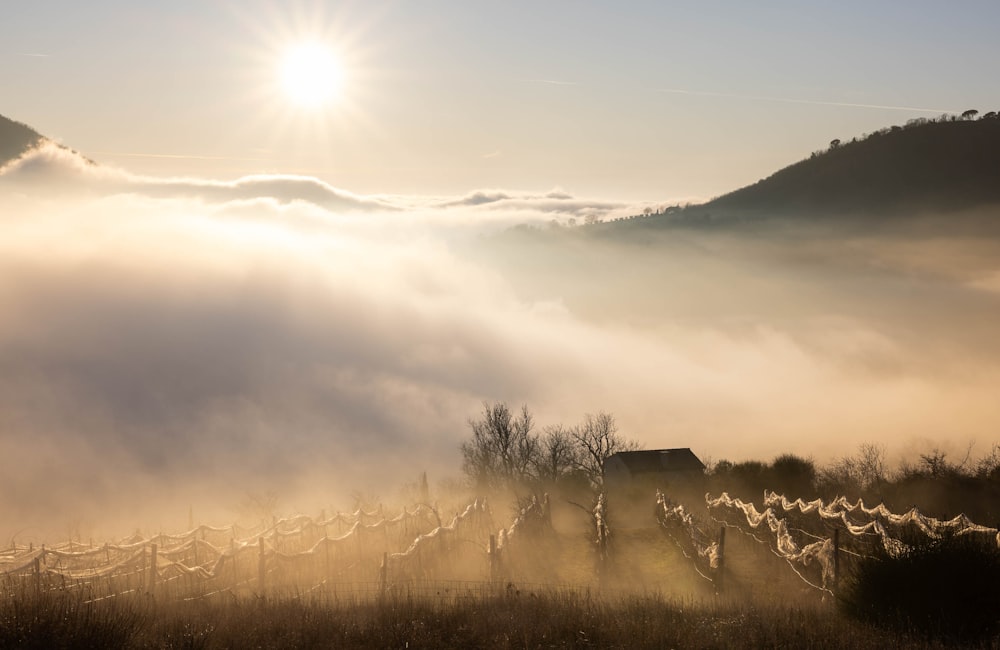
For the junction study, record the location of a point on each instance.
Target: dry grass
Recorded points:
(507, 617)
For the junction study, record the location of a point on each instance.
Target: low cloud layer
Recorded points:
(54, 167)
(179, 341)
(51, 169)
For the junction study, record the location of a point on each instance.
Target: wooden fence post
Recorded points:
(151, 587)
(383, 575)
(235, 570)
(260, 567)
(38, 576)
(720, 579)
(493, 558)
(836, 560)
(326, 552)
(194, 579)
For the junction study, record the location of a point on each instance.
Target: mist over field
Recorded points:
(167, 342)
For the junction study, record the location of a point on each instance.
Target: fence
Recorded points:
(694, 542)
(371, 554)
(361, 554)
(808, 535)
(295, 554)
(880, 522)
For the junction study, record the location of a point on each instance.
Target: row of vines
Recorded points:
(818, 540)
(372, 554)
(360, 553)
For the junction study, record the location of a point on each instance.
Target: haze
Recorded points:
(245, 295)
(167, 343)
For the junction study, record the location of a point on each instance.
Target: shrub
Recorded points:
(944, 588)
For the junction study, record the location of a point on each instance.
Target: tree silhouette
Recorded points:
(970, 114)
(557, 454)
(790, 474)
(503, 449)
(597, 438)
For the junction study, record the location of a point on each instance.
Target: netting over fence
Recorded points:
(297, 554)
(817, 538)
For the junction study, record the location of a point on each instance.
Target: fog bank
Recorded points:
(167, 342)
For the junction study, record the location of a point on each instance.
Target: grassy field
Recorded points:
(550, 592)
(509, 617)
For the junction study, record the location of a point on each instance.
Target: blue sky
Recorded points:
(656, 100)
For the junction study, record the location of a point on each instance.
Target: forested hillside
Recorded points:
(948, 164)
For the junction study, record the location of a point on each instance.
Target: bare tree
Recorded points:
(871, 466)
(260, 505)
(596, 439)
(557, 453)
(503, 449)
(852, 475)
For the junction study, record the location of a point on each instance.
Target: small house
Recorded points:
(631, 479)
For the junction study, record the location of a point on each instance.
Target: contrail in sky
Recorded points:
(554, 82)
(792, 100)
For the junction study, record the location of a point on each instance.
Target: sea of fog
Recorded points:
(169, 342)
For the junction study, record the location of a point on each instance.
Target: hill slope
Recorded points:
(15, 139)
(946, 165)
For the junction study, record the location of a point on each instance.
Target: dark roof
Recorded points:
(659, 460)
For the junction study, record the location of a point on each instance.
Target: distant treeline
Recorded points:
(938, 485)
(505, 451)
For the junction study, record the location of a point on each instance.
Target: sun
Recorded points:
(311, 75)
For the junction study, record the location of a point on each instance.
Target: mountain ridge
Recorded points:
(16, 138)
(947, 164)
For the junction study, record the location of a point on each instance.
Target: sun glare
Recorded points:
(311, 75)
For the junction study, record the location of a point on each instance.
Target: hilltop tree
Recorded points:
(970, 114)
